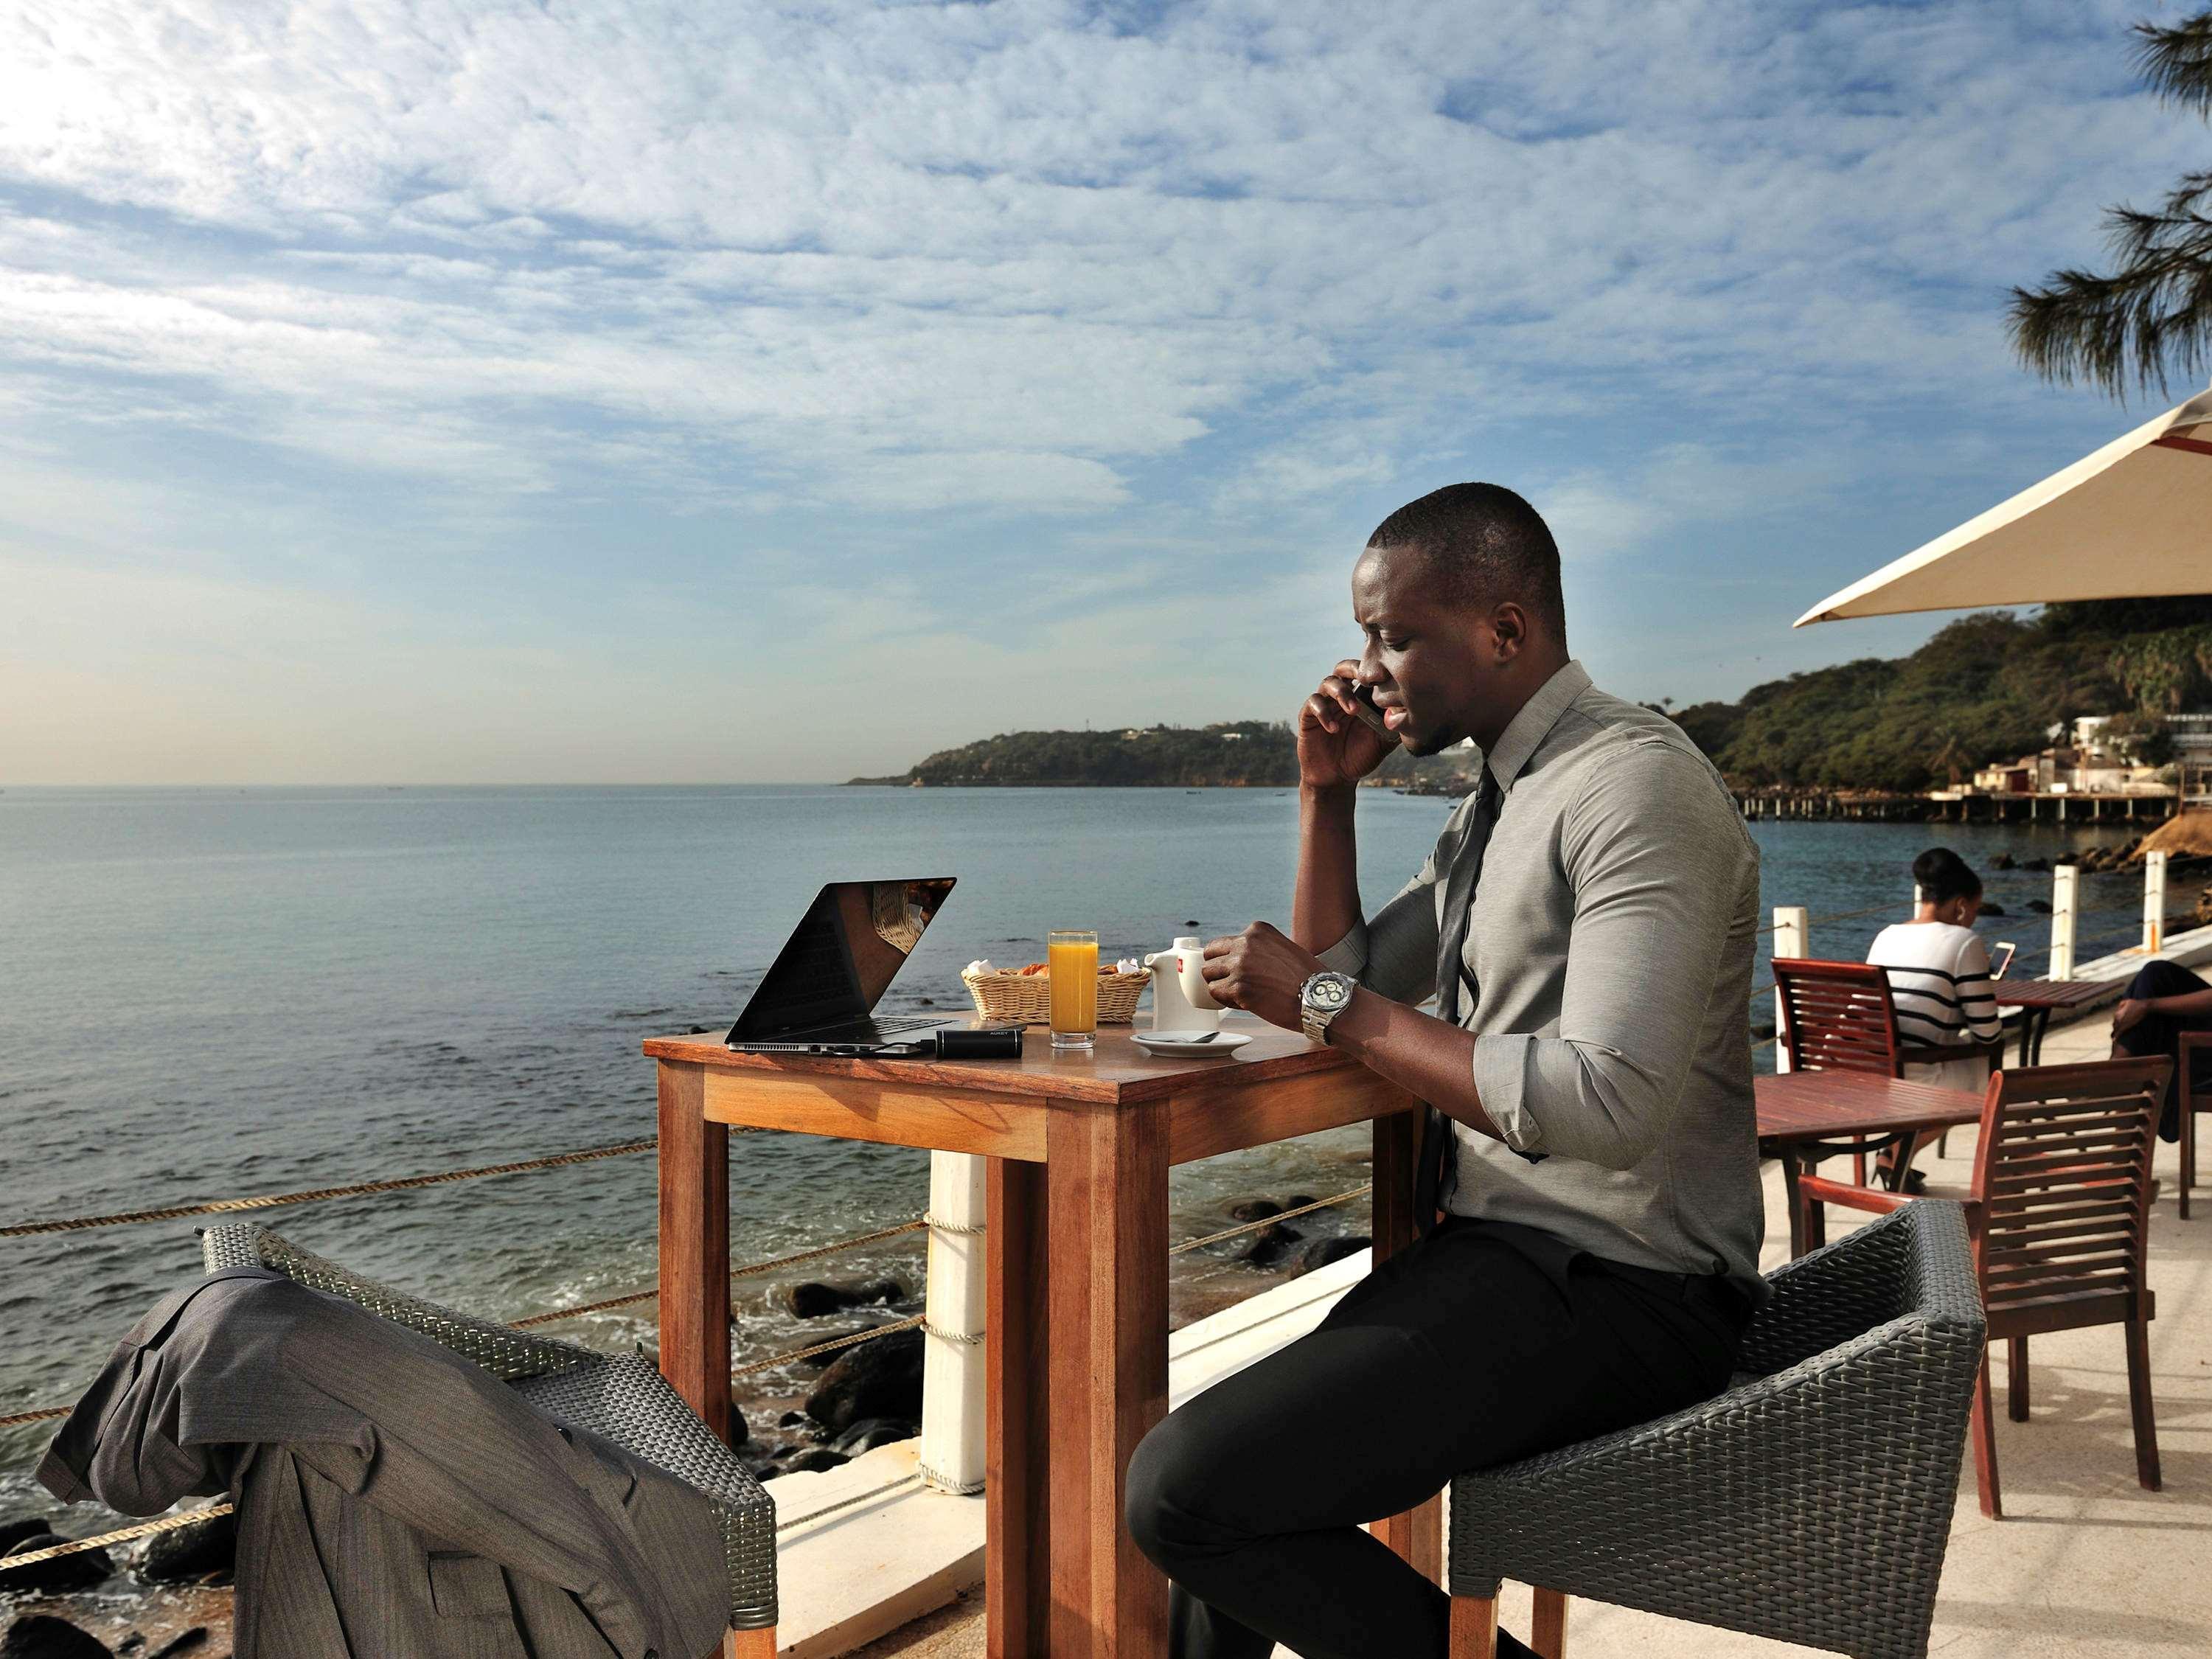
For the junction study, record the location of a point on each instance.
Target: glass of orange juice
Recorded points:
(1072, 957)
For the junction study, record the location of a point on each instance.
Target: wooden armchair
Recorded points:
(2058, 1212)
(1840, 1017)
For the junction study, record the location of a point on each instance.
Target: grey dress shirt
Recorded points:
(1607, 976)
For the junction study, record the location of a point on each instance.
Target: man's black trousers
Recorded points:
(1464, 1352)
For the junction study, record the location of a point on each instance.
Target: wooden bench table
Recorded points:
(1077, 1326)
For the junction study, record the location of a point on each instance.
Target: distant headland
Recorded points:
(1985, 689)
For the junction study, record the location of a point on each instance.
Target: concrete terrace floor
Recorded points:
(2085, 1565)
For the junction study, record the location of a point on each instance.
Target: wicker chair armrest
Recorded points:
(1918, 1257)
(504, 1351)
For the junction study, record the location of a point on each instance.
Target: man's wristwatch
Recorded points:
(1325, 996)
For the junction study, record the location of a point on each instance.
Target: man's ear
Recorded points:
(1509, 631)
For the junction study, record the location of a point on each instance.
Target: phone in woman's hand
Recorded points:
(2006, 949)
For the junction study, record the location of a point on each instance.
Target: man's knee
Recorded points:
(1164, 1499)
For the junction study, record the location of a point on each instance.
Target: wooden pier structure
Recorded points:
(1825, 806)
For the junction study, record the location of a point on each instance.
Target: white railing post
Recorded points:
(1793, 926)
(2154, 903)
(2065, 903)
(952, 1376)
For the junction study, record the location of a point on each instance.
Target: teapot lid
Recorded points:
(1187, 942)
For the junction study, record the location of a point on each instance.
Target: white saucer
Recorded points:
(1188, 1044)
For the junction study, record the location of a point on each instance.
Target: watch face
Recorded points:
(1329, 993)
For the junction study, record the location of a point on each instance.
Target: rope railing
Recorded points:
(190, 1517)
(49, 1413)
(214, 1511)
(272, 1200)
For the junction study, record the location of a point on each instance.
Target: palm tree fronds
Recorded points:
(2177, 62)
(2149, 318)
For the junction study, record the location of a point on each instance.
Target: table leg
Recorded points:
(695, 1247)
(1106, 1174)
(1417, 1535)
(2026, 1037)
(1016, 1525)
(2042, 1025)
(1793, 1203)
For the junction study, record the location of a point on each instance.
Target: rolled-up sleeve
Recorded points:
(1394, 954)
(1654, 859)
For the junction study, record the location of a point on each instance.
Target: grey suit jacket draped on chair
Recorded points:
(395, 1501)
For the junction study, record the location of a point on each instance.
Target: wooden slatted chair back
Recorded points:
(1837, 1016)
(2064, 1184)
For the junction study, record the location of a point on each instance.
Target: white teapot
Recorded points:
(1181, 1001)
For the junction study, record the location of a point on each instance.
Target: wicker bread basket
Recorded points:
(1026, 999)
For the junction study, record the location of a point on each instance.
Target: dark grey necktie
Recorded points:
(1436, 1173)
(1455, 991)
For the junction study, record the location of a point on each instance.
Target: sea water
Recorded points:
(210, 993)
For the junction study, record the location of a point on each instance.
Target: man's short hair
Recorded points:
(1941, 876)
(1484, 544)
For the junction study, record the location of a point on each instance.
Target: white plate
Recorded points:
(1188, 1044)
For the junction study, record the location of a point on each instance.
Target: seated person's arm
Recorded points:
(1978, 1002)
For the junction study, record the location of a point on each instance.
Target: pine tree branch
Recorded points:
(2149, 319)
(2177, 62)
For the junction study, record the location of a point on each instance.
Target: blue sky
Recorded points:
(599, 391)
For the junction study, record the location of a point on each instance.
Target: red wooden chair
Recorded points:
(1840, 1017)
(2059, 1212)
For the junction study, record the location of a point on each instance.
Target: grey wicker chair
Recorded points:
(619, 1397)
(1811, 1503)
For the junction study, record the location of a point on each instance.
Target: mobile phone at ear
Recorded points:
(1362, 707)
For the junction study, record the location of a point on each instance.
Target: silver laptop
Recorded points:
(820, 995)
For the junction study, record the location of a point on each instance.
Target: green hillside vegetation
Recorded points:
(1255, 754)
(1986, 689)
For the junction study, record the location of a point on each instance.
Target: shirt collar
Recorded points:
(1528, 728)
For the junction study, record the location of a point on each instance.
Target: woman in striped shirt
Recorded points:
(1938, 972)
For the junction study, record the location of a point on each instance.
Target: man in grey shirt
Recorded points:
(1586, 926)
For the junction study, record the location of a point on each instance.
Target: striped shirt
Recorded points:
(1939, 979)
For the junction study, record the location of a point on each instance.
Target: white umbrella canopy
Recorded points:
(2134, 520)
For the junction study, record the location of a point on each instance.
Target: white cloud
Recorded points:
(366, 285)
(823, 239)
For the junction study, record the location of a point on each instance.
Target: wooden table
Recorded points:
(1800, 1114)
(2038, 998)
(1077, 1324)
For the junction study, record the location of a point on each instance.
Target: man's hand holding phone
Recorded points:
(1341, 736)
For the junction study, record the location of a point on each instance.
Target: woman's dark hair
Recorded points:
(1941, 876)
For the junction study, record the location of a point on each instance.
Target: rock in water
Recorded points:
(871, 1432)
(181, 1556)
(814, 1460)
(882, 1378)
(184, 1642)
(1322, 1251)
(1255, 1209)
(1269, 1244)
(13, 1533)
(35, 1635)
(812, 1299)
(67, 1572)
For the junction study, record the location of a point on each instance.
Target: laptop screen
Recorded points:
(842, 957)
